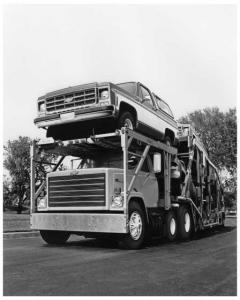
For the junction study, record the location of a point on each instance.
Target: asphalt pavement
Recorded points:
(204, 266)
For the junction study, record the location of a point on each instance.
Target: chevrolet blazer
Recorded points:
(83, 110)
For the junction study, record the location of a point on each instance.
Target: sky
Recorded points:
(186, 54)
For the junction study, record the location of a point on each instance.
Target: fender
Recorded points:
(138, 197)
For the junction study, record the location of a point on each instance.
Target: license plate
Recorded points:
(67, 116)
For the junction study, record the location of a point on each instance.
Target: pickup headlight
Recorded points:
(117, 201)
(103, 96)
(41, 107)
(42, 203)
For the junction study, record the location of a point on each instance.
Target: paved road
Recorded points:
(203, 266)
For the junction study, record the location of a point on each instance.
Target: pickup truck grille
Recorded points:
(72, 100)
(77, 190)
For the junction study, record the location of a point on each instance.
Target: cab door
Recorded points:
(146, 183)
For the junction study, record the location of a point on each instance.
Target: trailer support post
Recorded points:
(32, 176)
(167, 180)
(143, 157)
(124, 144)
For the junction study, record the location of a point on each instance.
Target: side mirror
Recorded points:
(132, 161)
(157, 163)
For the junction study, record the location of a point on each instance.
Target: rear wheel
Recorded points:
(185, 223)
(126, 119)
(137, 228)
(171, 226)
(54, 237)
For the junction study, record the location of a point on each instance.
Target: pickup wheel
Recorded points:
(126, 119)
(171, 226)
(54, 237)
(185, 223)
(137, 228)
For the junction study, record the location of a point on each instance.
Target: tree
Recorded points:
(7, 193)
(17, 162)
(218, 132)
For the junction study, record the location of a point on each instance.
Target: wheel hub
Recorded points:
(128, 124)
(135, 225)
(187, 222)
(172, 226)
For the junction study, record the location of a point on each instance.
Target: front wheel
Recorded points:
(127, 120)
(54, 237)
(137, 228)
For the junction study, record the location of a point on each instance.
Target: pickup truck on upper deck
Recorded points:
(95, 108)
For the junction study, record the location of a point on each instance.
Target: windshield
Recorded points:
(130, 87)
(108, 159)
(103, 160)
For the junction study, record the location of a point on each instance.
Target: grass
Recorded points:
(14, 222)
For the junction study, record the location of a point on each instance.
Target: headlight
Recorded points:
(117, 201)
(41, 107)
(103, 95)
(42, 203)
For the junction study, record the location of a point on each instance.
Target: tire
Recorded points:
(185, 223)
(126, 119)
(171, 226)
(222, 225)
(137, 235)
(54, 237)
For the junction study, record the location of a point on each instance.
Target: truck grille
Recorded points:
(76, 190)
(69, 101)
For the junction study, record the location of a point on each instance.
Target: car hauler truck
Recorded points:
(126, 186)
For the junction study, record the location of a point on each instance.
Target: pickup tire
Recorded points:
(137, 235)
(54, 237)
(171, 226)
(126, 119)
(185, 223)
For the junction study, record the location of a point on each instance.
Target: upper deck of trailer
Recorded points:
(95, 144)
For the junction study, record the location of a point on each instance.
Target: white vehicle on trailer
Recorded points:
(96, 108)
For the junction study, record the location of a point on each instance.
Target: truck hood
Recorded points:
(83, 171)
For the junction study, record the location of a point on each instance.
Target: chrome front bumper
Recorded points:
(75, 116)
(80, 222)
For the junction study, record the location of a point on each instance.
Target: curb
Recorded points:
(20, 234)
